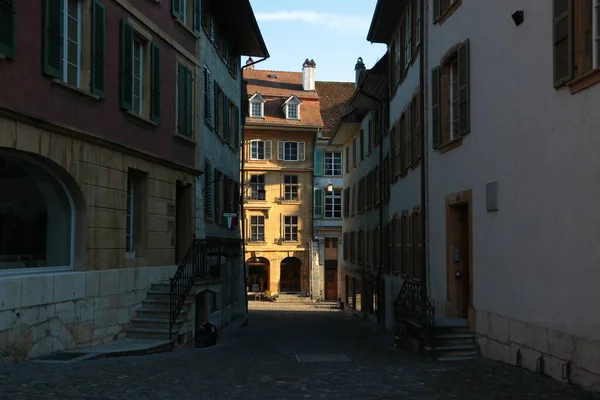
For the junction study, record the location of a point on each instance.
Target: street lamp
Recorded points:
(329, 187)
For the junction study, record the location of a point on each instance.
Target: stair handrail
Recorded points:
(192, 265)
(413, 304)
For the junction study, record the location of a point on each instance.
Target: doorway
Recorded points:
(331, 277)
(183, 219)
(290, 279)
(459, 256)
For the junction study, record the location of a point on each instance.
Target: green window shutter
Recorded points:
(318, 162)
(98, 72)
(8, 28)
(225, 110)
(236, 129)
(126, 66)
(217, 107)
(189, 102)
(197, 16)
(176, 8)
(318, 203)
(52, 31)
(563, 41)
(464, 76)
(435, 106)
(181, 99)
(155, 81)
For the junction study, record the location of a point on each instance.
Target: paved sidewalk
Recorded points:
(267, 360)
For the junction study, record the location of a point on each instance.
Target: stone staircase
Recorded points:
(451, 343)
(293, 298)
(152, 321)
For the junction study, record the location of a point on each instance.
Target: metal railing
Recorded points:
(413, 305)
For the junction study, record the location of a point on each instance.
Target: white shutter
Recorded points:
(280, 147)
(301, 152)
(268, 149)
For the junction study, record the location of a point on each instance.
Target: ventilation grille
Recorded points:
(491, 196)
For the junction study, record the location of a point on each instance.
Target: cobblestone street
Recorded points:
(258, 362)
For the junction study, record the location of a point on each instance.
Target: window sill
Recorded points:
(296, 242)
(290, 202)
(585, 81)
(447, 13)
(332, 176)
(184, 139)
(63, 85)
(450, 145)
(208, 124)
(256, 242)
(139, 119)
(186, 29)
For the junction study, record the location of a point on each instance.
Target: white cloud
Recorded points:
(337, 21)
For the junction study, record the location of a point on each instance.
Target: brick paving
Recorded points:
(258, 362)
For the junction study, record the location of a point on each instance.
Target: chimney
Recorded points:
(308, 75)
(250, 61)
(359, 68)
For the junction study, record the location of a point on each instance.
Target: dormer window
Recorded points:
(292, 107)
(257, 106)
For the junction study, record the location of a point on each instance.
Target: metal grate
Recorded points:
(491, 196)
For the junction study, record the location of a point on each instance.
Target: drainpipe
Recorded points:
(241, 194)
(424, 253)
(381, 244)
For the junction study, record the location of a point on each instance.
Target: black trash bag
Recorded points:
(206, 335)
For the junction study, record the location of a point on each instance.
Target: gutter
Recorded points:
(241, 186)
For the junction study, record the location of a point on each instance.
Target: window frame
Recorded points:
(335, 198)
(66, 39)
(329, 165)
(291, 189)
(257, 184)
(258, 142)
(257, 224)
(294, 230)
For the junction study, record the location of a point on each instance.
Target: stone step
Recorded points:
(155, 323)
(461, 350)
(149, 303)
(157, 312)
(151, 333)
(454, 339)
(164, 295)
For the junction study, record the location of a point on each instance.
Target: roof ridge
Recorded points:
(335, 82)
(274, 70)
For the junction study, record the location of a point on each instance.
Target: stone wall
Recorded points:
(501, 338)
(43, 314)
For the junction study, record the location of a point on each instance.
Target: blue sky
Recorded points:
(332, 32)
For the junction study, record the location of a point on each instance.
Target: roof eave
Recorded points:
(244, 27)
(385, 19)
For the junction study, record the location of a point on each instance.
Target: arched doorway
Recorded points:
(38, 218)
(258, 274)
(291, 278)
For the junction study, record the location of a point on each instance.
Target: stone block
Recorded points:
(98, 333)
(28, 138)
(92, 284)
(112, 331)
(9, 133)
(126, 278)
(109, 282)
(106, 259)
(84, 310)
(498, 328)
(69, 286)
(553, 367)
(140, 279)
(46, 312)
(37, 290)
(585, 378)
(66, 338)
(537, 338)
(101, 303)
(561, 344)
(106, 317)
(517, 332)
(123, 316)
(587, 354)
(82, 333)
(8, 320)
(66, 311)
(40, 331)
(529, 358)
(55, 327)
(10, 293)
(127, 299)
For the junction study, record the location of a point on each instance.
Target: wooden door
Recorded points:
(290, 280)
(464, 268)
(331, 290)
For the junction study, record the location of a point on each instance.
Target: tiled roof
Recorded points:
(334, 98)
(286, 83)
(276, 91)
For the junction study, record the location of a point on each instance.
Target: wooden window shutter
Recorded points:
(464, 77)
(436, 123)
(217, 108)
(268, 149)
(417, 125)
(436, 10)
(225, 112)
(563, 41)
(280, 150)
(155, 81)
(181, 98)
(318, 162)
(207, 96)
(408, 136)
(98, 61)
(176, 8)
(189, 102)
(236, 129)
(301, 151)
(8, 33)
(217, 217)
(126, 66)
(197, 16)
(318, 203)
(52, 46)
(207, 189)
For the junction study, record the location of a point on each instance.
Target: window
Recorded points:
(348, 159)
(291, 188)
(257, 106)
(333, 163)
(207, 189)
(187, 12)
(354, 153)
(139, 73)
(74, 45)
(207, 96)
(7, 33)
(450, 97)
(417, 22)
(576, 41)
(219, 196)
(291, 151)
(442, 9)
(257, 228)
(362, 144)
(219, 114)
(133, 220)
(292, 111)
(408, 52)
(260, 149)
(257, 187)
(256, 110)
(185, 101)
(370, 136)
(415, 128)
(290, 229)
(333, 204)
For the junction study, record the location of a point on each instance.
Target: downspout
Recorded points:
(381, 244)
(243, 111)
(424, 253)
